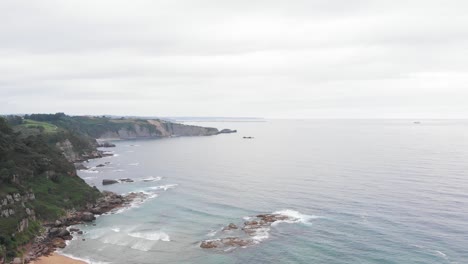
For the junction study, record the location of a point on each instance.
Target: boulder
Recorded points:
(58, 223)
(58, 242)
(87, 217)
(108, 182)
(53, 232)
(63, 233)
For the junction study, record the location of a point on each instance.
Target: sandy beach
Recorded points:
(57, 259)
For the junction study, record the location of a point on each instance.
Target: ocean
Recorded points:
(359, 191)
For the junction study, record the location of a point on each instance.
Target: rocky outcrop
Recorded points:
(258, 225)
(68, 151)
(16, 203)
(55, 234)
(106, 145)
(72, 154)
(227, 131)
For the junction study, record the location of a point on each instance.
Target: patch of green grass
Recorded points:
(47, 127)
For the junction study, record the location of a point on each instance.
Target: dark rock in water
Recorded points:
(87, 217)
(79, 232)
(100, 165)
(248, 137)
(107, 182)
(231, 226)
(226, 242)
(210, 244)
(257, 225)
(270, 218)
(106, 145)
(227, 131)
(73, 229)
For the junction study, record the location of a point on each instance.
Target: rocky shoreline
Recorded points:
(57, 233)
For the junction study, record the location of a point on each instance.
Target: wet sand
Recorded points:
(57, 259)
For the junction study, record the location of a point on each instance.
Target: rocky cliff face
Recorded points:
(157, 128)
(15, 206)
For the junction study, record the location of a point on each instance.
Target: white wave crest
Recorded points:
(164, 187)
(294, 217)
(151, 179)
(89, 171)
(153, 236)
(261, 234)
(134, 164)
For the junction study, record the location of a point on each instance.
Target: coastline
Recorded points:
(56, 258)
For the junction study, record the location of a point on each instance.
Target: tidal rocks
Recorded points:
(106, 145)
(100, 165)
(255, 229)
(108, 182)
(226, 242)
(231, 226)
(56, 233)
(247, 137)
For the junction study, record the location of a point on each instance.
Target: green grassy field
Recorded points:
(48, 128)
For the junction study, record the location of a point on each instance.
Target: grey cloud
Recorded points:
(235, 58)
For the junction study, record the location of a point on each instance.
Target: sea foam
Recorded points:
(153, 236)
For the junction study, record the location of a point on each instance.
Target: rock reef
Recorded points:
(258, 225)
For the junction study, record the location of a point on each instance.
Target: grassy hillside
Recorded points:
(37, 183)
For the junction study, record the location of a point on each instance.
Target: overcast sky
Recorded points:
(294, 58)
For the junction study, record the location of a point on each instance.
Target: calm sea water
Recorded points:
(366, 191)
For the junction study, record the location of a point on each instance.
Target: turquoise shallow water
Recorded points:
(365, 191)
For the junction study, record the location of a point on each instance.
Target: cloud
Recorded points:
(301, 59)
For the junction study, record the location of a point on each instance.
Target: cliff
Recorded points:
(152, 128)
(37, 184)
